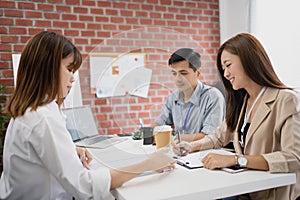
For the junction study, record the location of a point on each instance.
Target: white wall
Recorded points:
(234, 17)
(276, 23)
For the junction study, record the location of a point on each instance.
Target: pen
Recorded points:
(179, 137)
(179, 140)
(141, 122)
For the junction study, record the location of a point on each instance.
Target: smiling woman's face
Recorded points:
(233, 70)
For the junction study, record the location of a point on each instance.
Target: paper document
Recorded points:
(193, 160)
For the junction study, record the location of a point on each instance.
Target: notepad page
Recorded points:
(194, 159)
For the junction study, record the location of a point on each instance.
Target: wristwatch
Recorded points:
(241, 160)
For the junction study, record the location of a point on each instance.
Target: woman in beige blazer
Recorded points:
(262, 117)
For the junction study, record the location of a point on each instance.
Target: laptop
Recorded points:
(82, 127)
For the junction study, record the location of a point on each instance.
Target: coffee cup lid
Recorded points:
(162, 128)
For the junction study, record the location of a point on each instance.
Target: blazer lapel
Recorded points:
(262, 111)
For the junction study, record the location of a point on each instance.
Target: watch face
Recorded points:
(242, 161)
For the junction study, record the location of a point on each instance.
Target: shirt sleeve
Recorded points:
(165, 116)
(219, 138)
(287, 159)
(54, 146)
(215, 111)
(101, 177)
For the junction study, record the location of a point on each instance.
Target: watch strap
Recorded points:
(236, 156)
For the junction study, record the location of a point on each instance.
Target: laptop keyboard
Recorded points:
(94, 140)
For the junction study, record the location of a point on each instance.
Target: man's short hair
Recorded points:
(186, 54)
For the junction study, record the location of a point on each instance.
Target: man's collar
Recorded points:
(195, 96)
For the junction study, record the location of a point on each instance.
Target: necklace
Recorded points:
(247, 115)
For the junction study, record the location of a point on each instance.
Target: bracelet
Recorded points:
(236, 160)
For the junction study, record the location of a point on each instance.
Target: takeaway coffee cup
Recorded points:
(162, 135)
(147, 135)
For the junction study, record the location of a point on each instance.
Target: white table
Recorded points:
(199, 184)
(121, 154)
(183, 183)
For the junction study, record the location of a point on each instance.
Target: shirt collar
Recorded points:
(195, 96)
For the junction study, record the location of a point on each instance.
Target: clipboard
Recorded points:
(193, 160)
(189, 165)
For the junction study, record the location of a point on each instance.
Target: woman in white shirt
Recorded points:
(40, 159)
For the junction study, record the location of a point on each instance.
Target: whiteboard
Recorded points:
(73, 99)
(119, 74)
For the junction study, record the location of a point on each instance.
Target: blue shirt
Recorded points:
(203, 112)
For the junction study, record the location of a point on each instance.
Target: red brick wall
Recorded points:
(154, 27)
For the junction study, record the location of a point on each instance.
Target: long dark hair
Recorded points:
(38, 78)
(257, 66)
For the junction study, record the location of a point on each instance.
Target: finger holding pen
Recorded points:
(181, 148)
(185, 148)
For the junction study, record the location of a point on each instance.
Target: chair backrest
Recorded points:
(221, 87)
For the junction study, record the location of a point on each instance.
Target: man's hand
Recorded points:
(182, 149)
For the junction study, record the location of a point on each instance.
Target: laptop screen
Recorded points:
(80, 122)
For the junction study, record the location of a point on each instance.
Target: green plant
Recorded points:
(3, 117)
(137, 134)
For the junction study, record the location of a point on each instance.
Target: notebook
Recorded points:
(82, 127)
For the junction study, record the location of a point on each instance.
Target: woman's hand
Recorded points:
(214, 161)
(161, 160)
(84, 156)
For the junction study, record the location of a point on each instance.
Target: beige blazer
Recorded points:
(274, 133)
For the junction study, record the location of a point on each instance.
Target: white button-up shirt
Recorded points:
(40, 161)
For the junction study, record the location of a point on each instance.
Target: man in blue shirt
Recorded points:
(194, 109)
